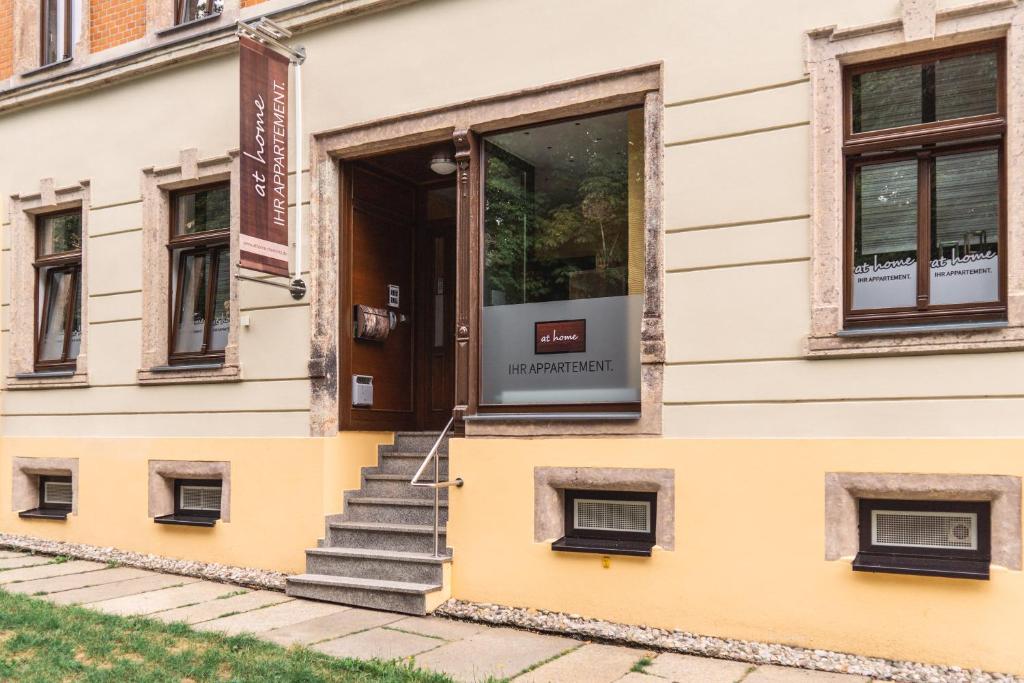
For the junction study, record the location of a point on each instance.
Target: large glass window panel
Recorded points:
(563, 261)
(202, 211)
(59, 233)
(221, 301)
(965, 228)
(885, 235)
(58, 297)
(191, 313)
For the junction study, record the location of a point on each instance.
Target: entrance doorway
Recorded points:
(397, 294)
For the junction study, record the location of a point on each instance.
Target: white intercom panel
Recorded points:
(362, 391)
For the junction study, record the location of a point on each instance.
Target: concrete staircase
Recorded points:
(380, 553)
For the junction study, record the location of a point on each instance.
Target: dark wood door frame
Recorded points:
(468, 279)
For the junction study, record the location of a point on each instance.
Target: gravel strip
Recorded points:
(708, 646)
(250, 578)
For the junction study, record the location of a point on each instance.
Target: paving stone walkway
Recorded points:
(464, 651)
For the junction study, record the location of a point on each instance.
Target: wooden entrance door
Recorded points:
(378, 243)
(394, 234)
(436, 342)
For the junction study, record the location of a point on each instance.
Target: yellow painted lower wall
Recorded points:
(281, 490)
(749, 552)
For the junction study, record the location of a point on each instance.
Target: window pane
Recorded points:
(563, 232)
(191, 10)
(966, 86)
(203, 211)
(76, 323)
(221, 303)
(965, 228)
(56, 292)
(191, 304)
(885, 236)
(887, 98)
(60, 233)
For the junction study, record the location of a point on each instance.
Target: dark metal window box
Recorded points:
(950, 539)
(603, 546)
(923, 566)
(186, 520)
(44, 513)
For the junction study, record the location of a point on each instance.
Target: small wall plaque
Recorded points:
(560, 336)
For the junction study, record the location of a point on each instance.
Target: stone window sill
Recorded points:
(171, 30)
(61, 379)
(190, 374)
(917, 340)
(47, 67)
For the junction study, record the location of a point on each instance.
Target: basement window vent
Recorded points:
(55, 497)
(608, 522)
(196, 503)
(931, 538)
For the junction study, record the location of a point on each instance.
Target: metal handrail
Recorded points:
(437, 485)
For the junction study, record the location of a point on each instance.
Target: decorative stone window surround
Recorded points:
(27, 17)
(25, 473)
(919, 29)
(162, 474)
(628, 87)
(550, 483)
(22, 284)
(842, 489)
(157, 186)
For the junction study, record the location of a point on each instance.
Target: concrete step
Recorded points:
(393, 596)
(419, 442)
(395, 510)
(389, 565)
(408, 463)
(412, 538)
(395, 485)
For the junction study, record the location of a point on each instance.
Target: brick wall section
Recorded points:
(245, 3)
(113, 22)
(6, 38)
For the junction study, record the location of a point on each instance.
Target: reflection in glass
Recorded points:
(221, 310)
(564, 256)
(57, 296)
(885, 235)
(965, 228)
(191, 310)
(59, 233)
(202, 211)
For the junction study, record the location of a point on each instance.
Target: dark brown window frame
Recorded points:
(44, 26)
(66, 261)
(212, 244)
(972, 133)
(477, 156)
(943, 562)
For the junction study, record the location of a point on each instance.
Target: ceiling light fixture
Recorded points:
(442, 163)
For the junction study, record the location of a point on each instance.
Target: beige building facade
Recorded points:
(758, 417)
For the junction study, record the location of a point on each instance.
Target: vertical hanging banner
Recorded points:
(264, 163)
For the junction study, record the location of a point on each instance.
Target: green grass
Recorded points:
(45, 643)
(642, 664)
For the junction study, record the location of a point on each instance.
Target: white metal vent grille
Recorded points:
(57, 492)
(206, 498)
(612, 515)
(917, 529)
